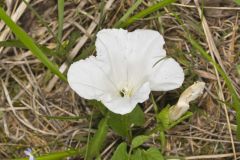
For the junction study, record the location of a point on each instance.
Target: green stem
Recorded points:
(155, 107)
(129, 153)
(88, 138)
(162, 140)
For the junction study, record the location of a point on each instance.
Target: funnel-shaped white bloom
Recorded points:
(190, 94)
(127, 67)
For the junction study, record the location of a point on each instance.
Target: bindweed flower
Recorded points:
(28, 152)
(127, 67)
(190, 94)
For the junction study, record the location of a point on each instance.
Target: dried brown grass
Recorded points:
(29, 93)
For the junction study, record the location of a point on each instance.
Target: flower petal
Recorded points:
(167, 75)
(31, 157)
(131, 55)
(146, 47)
(90, 80)
(111, 42)
(111, 46)
(139, 43)
(147, 44)
(28, 151)
(124, 105)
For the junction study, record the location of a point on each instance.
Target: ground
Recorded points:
(32, 99)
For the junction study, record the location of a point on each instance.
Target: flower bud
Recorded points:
(190, 94)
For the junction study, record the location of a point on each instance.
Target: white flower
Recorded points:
(127, 67)
(28, 152)
(190, 94)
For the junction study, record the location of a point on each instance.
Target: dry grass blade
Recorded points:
(217, 156)
(78, 46)
(207, 7)
(22, 119)
(73, 54)
(15, 17)
(211, 44)
(233, 41)
(214, 53)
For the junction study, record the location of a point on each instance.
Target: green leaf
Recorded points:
(139, 140)
(150, 154)
(30, 44)
(138, 155)
(136, 117)
(163, 118)
(96, 143)
(121, 123)
(121, 152)
(153, 154)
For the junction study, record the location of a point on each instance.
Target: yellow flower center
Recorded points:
(126, 92)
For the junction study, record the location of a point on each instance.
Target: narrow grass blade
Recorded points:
(102, 14)
(96, 143)
(155, 107)
(56, 155)
(128, 13)
(64, 118)
(125, 21)
(29, 43)
(60, 19)
(43, 22)
(12, 43)
(145, 12)
(229, 84)
(19, 44)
